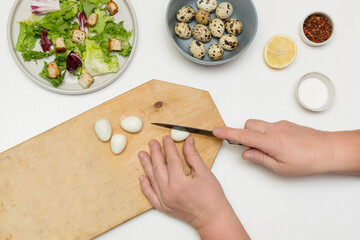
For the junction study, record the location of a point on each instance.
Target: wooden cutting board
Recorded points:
(67, 184)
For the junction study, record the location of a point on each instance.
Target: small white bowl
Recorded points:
(306, 40)
(330, 93)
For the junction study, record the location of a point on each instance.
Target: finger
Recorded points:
(159, 167)
(263, 159)
(257, 125)
(192, 156)
(174, 162)
(146, 163)
(246, 137)
(149, 192)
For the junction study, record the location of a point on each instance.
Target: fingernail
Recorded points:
(141, 178)
(216, 130)
(191, 141)
(141, 156)
(248, 156)
(151, 142)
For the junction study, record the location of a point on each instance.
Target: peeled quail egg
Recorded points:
(103, 129)
(179, 134)
(131, 124)
(118, 143)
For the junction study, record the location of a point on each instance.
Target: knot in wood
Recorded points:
(158, 104)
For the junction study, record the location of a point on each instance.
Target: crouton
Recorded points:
(114, 44)
(86, 80)
(112, 7)
(53, 70)
(92, 19)
(78, 36)
(60, 45)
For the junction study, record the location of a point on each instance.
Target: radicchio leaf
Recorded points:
(82, 21)
(46, 43)
(73, 61)
(44, 6)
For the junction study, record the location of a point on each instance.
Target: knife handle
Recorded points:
(234, 143)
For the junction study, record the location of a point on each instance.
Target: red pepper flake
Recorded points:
(317, 28)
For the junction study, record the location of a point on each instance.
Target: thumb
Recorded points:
(259, 157)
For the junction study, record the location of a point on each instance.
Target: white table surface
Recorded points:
(269, 206)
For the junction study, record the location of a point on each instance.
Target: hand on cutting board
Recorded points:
(293, 150)
(196, 198)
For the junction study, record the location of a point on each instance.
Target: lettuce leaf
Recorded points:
(88, 7)
(69, 9)
(54, 24)
(29, 55)
(54, 81)
(60, 60)
(28, 35)
(101, 21)
(99, 1)
(113, 30)
(94, 60)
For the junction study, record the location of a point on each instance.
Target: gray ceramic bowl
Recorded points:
(244, 10)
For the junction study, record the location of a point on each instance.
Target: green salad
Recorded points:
(85, 48)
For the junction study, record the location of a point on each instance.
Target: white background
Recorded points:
(269, 206)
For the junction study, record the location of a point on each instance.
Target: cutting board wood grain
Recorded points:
(67, 184)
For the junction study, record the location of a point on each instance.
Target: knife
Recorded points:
(191, 130)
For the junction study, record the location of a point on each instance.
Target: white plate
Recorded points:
(21, 10)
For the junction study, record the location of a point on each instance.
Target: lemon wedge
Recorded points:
(280, 51)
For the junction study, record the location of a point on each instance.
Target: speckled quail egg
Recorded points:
(233, 26)
(201, 33)
(103, 129)
(208, 5)
(179, 134)
(217, 27)
(202, 16)
(183, 30)
(197, 49)
(228, 42)
(185, 14)
(118, 143)
(224, 10)
(132, 124)
(215, 51)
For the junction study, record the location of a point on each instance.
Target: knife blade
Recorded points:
(187, 129)
(191, 130)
